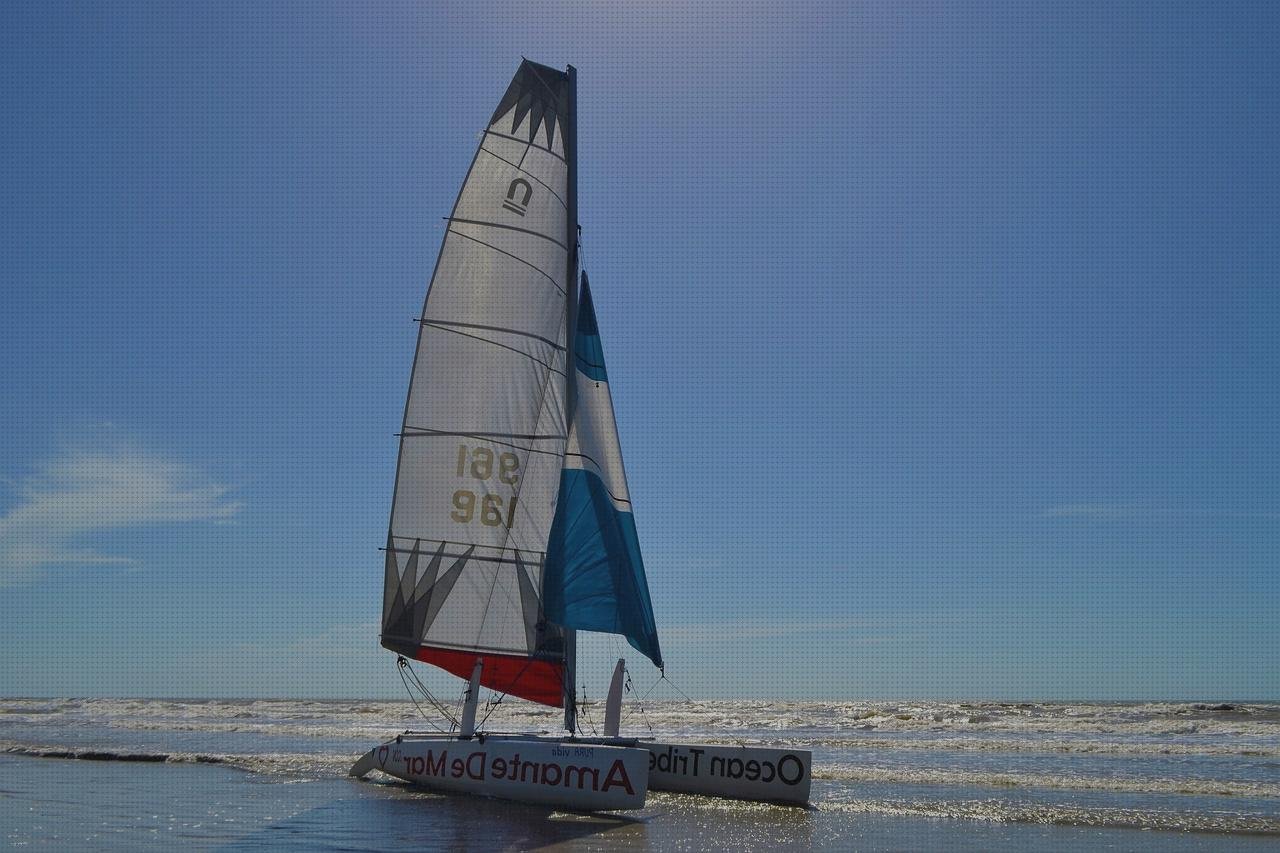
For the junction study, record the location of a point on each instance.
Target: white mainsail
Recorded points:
(485, 423)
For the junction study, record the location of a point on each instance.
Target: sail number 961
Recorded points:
(478, 462)
(490, 510)
(490, 506)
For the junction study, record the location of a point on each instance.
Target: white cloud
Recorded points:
(93, 489)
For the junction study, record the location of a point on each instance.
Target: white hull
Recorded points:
(762, 774)
(561, 773)
(740, 772)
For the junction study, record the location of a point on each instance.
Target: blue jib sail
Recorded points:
(594, 578)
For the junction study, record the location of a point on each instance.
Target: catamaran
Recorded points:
(511, 525)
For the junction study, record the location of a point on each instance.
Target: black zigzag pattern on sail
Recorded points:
(413, 600)
(545, 639)
(539, 92)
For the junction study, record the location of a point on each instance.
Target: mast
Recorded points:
(571, 324)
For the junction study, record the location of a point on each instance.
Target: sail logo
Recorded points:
(518, 188)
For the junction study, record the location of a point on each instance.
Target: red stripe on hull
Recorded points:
(535, 680)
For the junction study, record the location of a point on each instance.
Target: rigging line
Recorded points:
(401, 665)
(493, 706)
(414, 700)
(478, 582)
(530, 265)
(462, 699)
(444, 328)
(421, 712)
(639, 703)
(676, 687)
(542, 403)
(507, 227)
(519, 489)
(528, 142)
(432, 321)
(521, 168)
(431, 697)
(650, 690)
(516, 604)
(512, 603)
(584, 716)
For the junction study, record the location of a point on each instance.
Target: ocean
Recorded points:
(269, 774)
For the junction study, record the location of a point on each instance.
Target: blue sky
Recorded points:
(943, 337)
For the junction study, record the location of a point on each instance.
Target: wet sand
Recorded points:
(52, 803)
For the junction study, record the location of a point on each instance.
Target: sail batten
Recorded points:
(460, 221)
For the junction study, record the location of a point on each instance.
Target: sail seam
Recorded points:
(431, 321)
(530, 437)
(527, 142)
(534, 358)
(508, 228)
(533, 267)
(484, 437)
(503, 560)
(600, 469)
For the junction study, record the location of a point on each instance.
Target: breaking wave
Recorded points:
(1064, 815)
(1198, 767)
(284, 764)
(1225, 729)
(1058, 781)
